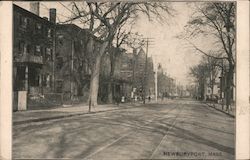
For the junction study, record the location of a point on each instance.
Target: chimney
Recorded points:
(34, 7)
(52, 15)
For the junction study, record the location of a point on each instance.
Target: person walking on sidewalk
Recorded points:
(118, 99)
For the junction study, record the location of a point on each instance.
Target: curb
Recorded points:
(222, 111)
(69, 115)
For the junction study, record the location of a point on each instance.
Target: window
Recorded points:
(47, 80)
(49, 33)
(38, 50)
(48, 51)
(60, 40)
(25, 49)
(38, 28)
(48, 55)
(43, 80)
(24, 22)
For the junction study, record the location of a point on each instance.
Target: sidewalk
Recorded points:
(231, 112)
(22, 117)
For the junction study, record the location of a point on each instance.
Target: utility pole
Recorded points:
(146, 68)
(133, 73)
(72, 70)
(156, 65)
(222, 85)
(145, 74)
(156, 82)
(72, 65)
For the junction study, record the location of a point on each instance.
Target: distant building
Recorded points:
(143, 76)
(219, 88)
(166, 85)
(122, 78)
(124, 74)
(213, 90)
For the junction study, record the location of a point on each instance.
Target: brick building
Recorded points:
(121, 82)
(143, 80)
(33, 52)
(124, 74)
(33, 49)
(71, 67)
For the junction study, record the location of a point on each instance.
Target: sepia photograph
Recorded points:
(112, 80)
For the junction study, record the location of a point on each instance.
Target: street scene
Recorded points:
(123, 80)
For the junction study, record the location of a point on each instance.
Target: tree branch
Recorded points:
(206, 54)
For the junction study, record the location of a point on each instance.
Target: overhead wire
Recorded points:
(71, 19)
(60, 14)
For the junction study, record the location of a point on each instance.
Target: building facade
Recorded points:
(71, 63)
(33, 52)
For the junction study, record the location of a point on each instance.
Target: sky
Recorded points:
(173, 53)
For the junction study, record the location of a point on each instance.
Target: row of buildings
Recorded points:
(51, 65)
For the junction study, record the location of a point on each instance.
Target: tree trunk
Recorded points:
(229, 85)
(94, 83)
(111, 81)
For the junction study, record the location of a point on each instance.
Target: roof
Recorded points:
(76, 28)
(17, 8)
(73, 26)
(141, 52)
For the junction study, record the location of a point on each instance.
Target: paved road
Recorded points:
(176, 129)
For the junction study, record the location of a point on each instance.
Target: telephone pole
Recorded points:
(146, 69)
(156, 82)
(156, 64)
(145, 74)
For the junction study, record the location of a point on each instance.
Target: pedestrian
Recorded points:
(118, 99)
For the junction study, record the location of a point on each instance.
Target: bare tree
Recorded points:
(200, 73)
(103, 20)
(217, 20)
